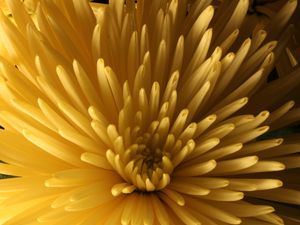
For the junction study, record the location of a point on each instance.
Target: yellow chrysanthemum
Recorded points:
(145, 113)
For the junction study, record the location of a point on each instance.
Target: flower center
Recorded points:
(150, 159)
(146, 165)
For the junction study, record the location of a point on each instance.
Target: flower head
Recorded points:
(144, 113)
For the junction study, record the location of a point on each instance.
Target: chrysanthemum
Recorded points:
(148, 113)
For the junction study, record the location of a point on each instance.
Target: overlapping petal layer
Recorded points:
(148, 113)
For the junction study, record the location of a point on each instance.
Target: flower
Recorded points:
(150, 113)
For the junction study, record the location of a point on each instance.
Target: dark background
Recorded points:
(101, 1)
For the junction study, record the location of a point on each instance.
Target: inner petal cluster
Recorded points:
(145, 152)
